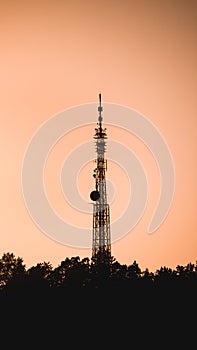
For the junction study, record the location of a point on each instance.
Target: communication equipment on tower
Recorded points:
(101, 244)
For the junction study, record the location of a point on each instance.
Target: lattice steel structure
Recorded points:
(101, 243)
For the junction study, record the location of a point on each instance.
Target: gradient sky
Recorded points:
(142, 54)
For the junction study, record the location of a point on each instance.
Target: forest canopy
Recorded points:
(91, 274)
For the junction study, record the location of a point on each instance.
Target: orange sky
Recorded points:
(58, 54)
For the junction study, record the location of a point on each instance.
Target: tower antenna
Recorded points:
(100, 109)
(101, 242)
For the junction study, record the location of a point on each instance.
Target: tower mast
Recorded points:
(101, 243)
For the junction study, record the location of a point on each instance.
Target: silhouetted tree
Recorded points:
(186, 277)
(38, 277)
(11, 267)
(147, 278)
(59, 274)
(118, 271)
(101, 269)
(78, 274)
(71, 273)
(134, 271)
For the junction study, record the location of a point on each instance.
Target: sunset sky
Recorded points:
(58, 54)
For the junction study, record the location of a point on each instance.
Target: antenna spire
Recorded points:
(100, 109)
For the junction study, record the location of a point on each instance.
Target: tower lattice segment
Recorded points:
(101, 243)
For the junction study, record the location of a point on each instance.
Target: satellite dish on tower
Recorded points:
(94, 195)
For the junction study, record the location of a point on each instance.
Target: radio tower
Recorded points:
(101, 243)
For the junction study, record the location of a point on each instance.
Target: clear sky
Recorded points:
(58, 54)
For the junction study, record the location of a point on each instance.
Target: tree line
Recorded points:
(76, 274)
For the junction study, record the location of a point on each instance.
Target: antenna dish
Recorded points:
(94, 195)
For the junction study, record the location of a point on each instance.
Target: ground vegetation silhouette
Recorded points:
(83, 275)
